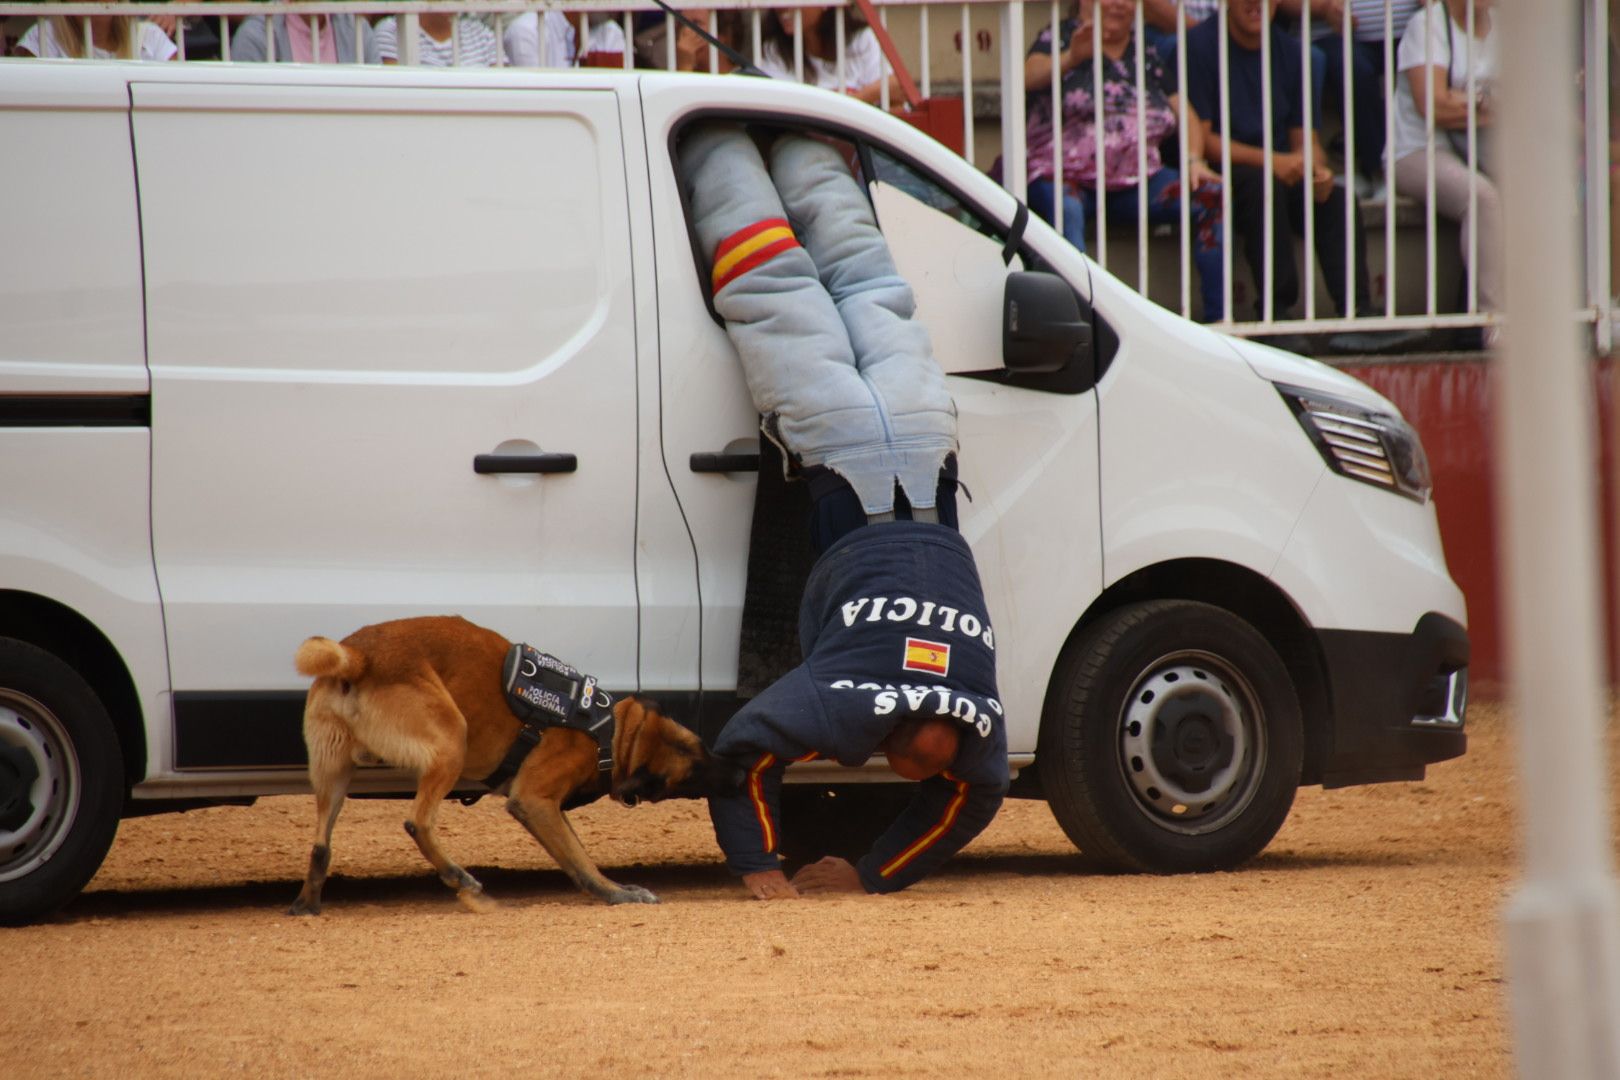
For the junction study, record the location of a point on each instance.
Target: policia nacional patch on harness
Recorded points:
(543, 692)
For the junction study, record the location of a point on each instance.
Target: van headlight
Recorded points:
(1365, 444)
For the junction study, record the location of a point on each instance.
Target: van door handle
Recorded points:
(725, 463)
(487, 464)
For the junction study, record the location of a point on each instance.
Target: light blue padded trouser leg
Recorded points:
(823, 331)
(833, 219)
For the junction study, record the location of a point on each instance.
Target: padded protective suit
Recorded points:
(819, 316)
(893, 625)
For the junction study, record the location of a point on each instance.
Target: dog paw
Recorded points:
(633, 894)
(477, 901)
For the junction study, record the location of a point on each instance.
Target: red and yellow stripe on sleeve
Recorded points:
(756, 796)
(749, 247)
(928, 839)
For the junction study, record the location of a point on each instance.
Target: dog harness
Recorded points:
(543, 692)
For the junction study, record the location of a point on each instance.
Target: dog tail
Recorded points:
(321, 656)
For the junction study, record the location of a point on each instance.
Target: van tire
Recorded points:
(61, 783)
(1171, 741)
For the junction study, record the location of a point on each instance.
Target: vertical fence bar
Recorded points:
(1389, 157)
(798, 44)
(1057, 118)
(926, 69)
(1101, 125)
(1014, 148)
(1223, 65)
(884, 71)
(1268, 168)
(455, 40)
(1141, 161)
(967, 83)
(1184, 148)
(180, 38)
(1600, 286)
(1308, 186)
(1428, 149)
(1472, 269)
(408, 41)
(627, 27)
(225, 38)
(838, 50)
(269, 37)
(759, 38)
(1346, 42)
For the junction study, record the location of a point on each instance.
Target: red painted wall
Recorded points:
(1451, 405)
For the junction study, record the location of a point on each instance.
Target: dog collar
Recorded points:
(543, 692)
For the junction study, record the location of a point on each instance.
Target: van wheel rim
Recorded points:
(1191, 744)
(37, 829)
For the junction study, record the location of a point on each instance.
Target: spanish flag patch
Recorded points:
(931, 656)
(749, 247)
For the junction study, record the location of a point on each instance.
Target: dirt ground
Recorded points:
(1364, 942)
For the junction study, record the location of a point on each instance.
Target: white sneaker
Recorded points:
(1370, 191)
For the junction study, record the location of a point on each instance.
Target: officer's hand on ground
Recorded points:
(828, 875)
(770, 885)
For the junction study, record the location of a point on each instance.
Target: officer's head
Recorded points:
(921, 747)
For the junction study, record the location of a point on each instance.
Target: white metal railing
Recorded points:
(1002, 73)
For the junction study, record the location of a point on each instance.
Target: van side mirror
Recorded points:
(1042, 329)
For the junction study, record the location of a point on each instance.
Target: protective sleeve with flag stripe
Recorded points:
(945, 814)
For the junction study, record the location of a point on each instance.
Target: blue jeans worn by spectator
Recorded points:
(1164, 208)
(1366, 89)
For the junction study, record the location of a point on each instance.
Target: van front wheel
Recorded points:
(61, 782)
(1172, 740)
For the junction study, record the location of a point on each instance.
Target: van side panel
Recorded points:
(70, 278)
(363, 289)
(75, 448)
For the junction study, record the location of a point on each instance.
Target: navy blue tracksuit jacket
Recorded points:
(893, 625)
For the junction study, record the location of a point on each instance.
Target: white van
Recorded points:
(287, 351)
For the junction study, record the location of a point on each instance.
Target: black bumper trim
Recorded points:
(1378, 685)
(264, 729)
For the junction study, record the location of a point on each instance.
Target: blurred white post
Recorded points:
(1563, 920)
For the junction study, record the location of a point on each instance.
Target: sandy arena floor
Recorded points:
(1364, 942)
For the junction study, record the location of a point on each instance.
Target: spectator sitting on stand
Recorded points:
(552, 41)
(1434, 59)
(1125, 131)
(1243, 131)
(691, 50)
(305, 39)
(863, 57)
(1367, 72)
(437, 43)
(111, 37)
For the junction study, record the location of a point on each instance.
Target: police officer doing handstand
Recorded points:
(899, 654)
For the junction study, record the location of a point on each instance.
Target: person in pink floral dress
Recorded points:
(1122, 133)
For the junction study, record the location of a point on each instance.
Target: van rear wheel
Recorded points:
(1172, 740)
(61, 782)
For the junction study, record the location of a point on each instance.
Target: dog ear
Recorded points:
(632, 741)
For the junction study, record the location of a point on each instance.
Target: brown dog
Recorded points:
(426, 694)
